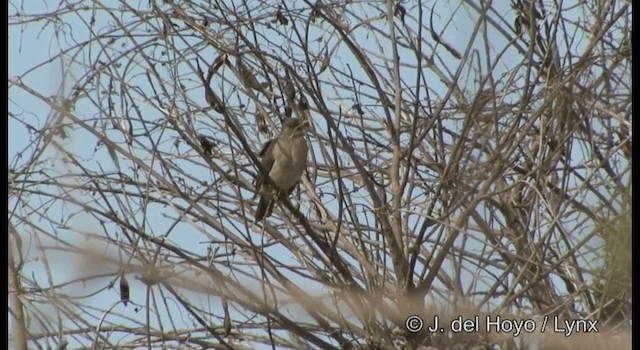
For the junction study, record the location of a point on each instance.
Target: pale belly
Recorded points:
(289, 165)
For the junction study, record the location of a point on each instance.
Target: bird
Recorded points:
(284, 159)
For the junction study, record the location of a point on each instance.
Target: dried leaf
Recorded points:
(261, 119)
(165, 30)
(227, 318)
(113, 155)
(313, 15)
(358, 108)
(303, 107)
(324, 61)
(213, 100)
(399, 11)
(280, 17)
(219, 61)
(288, 90)
(518, 25)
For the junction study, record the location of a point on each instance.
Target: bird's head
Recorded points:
(295, 127)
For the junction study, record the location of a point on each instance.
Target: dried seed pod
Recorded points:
(303, 107)
(206, 144)
(124, 290)
(227, 319)
(247, 76)
(288, 89)
(261, 119)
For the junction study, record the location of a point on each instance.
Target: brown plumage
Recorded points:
(284, 159)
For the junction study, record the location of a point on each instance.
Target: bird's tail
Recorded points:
(265, 207)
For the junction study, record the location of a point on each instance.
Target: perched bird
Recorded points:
(283, 160)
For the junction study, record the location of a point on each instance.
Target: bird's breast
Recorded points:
(292, 151)
(290, 159)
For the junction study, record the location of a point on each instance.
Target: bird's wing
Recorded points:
(265, 147)
(268, 158)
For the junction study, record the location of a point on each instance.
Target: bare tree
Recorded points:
(466, 159)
